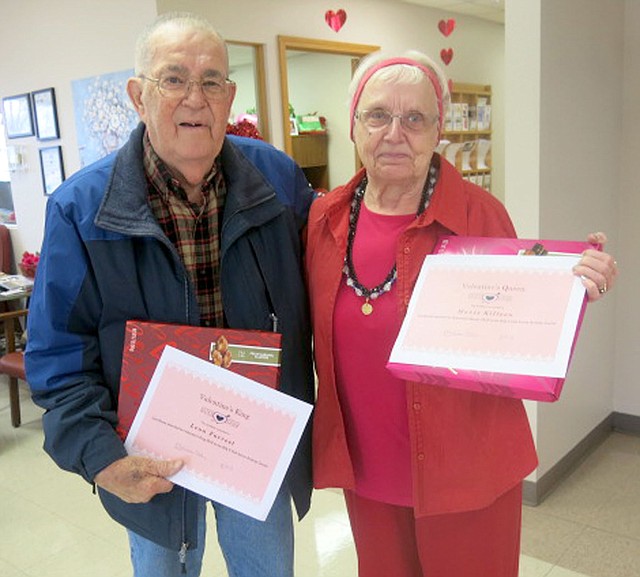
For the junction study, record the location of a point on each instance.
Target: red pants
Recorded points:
(391, 542)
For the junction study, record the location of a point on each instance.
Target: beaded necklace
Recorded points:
(349, 271)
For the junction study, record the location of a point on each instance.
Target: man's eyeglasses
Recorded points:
(380, 118)
(173, 86)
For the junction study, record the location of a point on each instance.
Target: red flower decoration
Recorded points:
(244, 128)
(29, 263)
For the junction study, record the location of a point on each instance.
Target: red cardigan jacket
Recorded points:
(467, 448)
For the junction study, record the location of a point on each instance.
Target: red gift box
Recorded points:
(252, 354)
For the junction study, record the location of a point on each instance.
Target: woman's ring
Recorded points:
(603, 288)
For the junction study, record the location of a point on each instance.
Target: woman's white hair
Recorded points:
(402, 73)
(177, 20)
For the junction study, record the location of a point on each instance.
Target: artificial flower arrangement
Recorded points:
(244, 128)
(29, 263)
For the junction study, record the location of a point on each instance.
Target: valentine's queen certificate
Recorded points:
(492, 313)
(235, 436)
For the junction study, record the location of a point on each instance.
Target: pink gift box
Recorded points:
(538, 388)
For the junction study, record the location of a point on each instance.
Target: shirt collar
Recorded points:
(450, 202)
(163, 180)
(448, 206)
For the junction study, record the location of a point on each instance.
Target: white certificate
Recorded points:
(502, 314)
(235, 436)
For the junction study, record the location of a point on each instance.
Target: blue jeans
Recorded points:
(251, 548)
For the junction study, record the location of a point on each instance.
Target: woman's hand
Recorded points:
(597, 269)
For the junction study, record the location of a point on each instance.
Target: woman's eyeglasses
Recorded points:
(380, 118)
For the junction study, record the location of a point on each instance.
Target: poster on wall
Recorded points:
(104, 114)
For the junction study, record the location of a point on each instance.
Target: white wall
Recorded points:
(522, 108)
(522, 131)
(49, 44)
(580, 139)
(566, 176)
(245, 99)
(627, 336)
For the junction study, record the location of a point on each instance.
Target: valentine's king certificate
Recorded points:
(492, 313)
(235, 436)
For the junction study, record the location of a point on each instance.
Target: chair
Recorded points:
(12, 362)
(6, 250)
(6, 258)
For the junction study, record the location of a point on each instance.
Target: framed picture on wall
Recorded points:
(52, 168)
(45, 114)
(17, 116)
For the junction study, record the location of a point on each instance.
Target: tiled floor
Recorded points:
(51, 525)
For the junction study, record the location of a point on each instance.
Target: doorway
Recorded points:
(323, 68)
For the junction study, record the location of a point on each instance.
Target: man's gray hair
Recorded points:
(179, 20)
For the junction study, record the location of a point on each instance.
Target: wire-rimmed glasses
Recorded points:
(175, 86)
(413, 121)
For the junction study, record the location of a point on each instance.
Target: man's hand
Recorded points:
(137, 479)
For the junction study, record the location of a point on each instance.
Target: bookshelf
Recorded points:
(466, 138)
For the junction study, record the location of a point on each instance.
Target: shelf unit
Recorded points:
(466, 138)
(310, 151)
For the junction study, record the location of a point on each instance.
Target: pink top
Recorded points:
(374, 402)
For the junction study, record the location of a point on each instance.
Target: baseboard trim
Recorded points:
(534, 492)
(629, 424)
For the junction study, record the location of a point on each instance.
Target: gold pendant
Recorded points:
(367, 308)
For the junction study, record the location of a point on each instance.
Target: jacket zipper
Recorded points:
(182, 554)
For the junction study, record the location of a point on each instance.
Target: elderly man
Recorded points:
(182, 225)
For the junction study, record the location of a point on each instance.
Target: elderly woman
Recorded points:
(432, 476)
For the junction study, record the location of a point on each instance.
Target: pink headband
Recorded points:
(431, 75)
